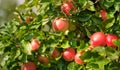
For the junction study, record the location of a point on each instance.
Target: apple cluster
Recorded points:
(69, 54)
(101, 39)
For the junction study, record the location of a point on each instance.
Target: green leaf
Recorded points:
(101, 61)
(26, 47)
(110, 23)
(117, 42)
(61, 65)
(88, 32)
(82, 3)
(71, 66)
(87, 56)
(111, 53)
(73, 43)
(84, 16)
(91, 6)
(100, 50)
(3, 59)
(92, 66)
(108, 3)
(65, 44)
(82, 45)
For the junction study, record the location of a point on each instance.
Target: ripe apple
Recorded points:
(35, 44)
(109, 39)
(98, 39)
(29, 19)
(28, 66)
(55, 53)
(78, 60)
(43, 59)
(67, 7)
(69, 54)
(103, 14)
(60, 24)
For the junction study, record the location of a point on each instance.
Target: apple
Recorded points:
(43, 59)
(60, 24)
(67, 7)
(77, 59)
(29, 19)
(109, 39)
(98, 39)
(35, 44)
(55, 53)
(103, 14)
(28, 66)
(68, 54)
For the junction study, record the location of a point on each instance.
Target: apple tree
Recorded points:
(62, 35)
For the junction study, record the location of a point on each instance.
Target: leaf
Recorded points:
(26, 47)
(111, 53)
(100, 50)
(101, 61)
(117, 42)
(73, 43)
(84, 16)
(71, 66)
(86, 56)
(61, 65)
(82, 44)
(65, 44)
(108, 3)
(88, 32)
(110, 23)
(3, 59)
(92, 66)
(82, 3)
(91, 6)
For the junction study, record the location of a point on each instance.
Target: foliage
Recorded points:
(15, 36)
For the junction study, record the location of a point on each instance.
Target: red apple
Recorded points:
(28, 66)
(67, 7)
(69, 54)
(109, 39)
(29, 19)
(35, 44)
(103, 14)
(98, 39)
(78, 60)
(55, 53)
(43, 59)
(60, 24)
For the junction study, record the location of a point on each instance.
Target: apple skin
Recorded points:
(109, 39)
(67, 7)
(69, 54)
(28, 66)
(98, 39)
(103, 14)
(55, 53)
(35, 44)
(60, 24)
(43, 59)
(77, 58)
